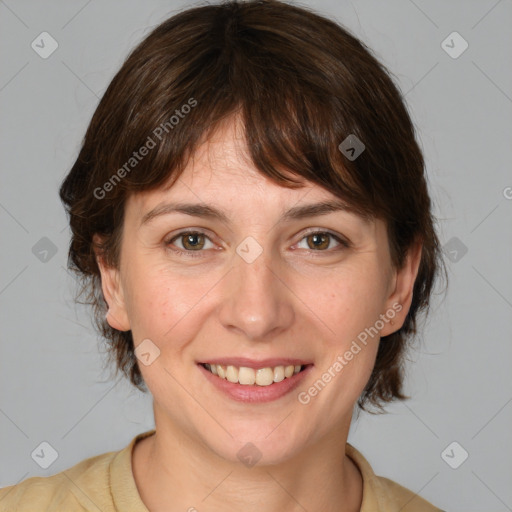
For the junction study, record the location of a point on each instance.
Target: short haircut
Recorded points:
(302, 84)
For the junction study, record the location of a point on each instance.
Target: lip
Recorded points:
(256, 394)
(255, 364)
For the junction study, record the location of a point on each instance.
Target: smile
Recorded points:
(253, 376)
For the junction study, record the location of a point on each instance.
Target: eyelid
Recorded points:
(343, 241)
(338, 236)
(199, 231)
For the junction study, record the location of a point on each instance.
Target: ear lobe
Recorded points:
(401, 297)
(111, 286)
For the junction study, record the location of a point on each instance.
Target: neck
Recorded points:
(174, 472)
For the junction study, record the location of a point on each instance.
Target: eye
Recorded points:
(191, 241)
(319, 241)
(195, 241)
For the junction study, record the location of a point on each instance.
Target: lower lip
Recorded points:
(255, 393)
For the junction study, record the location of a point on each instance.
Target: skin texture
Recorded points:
(294, 300)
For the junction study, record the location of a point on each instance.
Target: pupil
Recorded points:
(191, 240)
(318, 240)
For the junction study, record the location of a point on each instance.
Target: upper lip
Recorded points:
(256, 363)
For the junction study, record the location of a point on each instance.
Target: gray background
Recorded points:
(52, 386)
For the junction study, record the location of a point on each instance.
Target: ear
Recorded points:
(113, 293)
(402, 287)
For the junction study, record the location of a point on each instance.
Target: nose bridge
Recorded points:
(256, 301)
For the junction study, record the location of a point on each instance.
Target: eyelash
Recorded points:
(190, 254)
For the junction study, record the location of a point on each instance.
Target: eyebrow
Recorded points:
(210, 212)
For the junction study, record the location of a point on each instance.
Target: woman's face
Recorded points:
(254, 290)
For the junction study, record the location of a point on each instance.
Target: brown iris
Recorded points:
(316, 238)
(191, 238)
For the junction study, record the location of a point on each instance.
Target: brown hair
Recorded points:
(302, 85)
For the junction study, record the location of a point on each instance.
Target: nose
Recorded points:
(256, 302)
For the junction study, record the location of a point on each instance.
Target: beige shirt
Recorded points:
(105, 483)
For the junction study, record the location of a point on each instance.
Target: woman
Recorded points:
(251, 221)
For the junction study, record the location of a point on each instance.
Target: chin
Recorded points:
(256, 444)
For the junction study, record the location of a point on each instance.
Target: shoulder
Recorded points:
(405, 499)
(381, 494)
(81, 487)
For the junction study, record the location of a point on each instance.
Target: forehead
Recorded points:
(220, 171)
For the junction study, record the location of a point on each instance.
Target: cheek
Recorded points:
(161, 301)
(352, 301)
(350, 349)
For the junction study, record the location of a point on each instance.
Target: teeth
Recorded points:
(221, 371)
(249, 376)
(232, 374)
(278, 373)
(264, 376)
(288, 371)
(246, 376)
